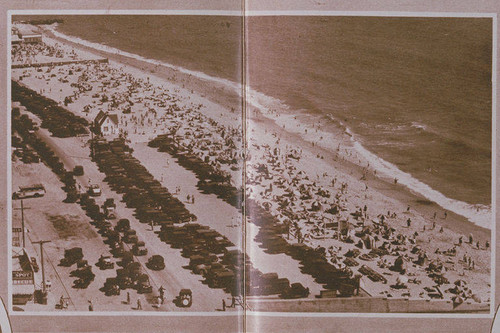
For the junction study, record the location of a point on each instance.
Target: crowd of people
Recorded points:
(319, 205)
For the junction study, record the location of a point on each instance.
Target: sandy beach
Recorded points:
(328, 197)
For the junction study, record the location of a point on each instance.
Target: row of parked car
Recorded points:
(83, 270)
(211, 180)
(313, 261)
(59, 121)
(141, 191)
(131, 274)
(25, 127)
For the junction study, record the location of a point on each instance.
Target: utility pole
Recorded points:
(22, 219)
(43, 266)
(92, 141)
(338, 231)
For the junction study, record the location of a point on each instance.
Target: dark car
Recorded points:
(156, 263)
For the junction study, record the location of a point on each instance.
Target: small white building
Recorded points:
(29, 36)
(106, 123)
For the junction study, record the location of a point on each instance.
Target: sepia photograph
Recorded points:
(369, 146)
(132, 179)
(245, 168)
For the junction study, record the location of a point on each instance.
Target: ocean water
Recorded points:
(414, 92)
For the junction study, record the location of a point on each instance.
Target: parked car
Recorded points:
(78, 170)
(156, 263)
(94, 190)
(33, 191)
(34, 264)
(139, 249)
(105, 262)
(143, 285)
(122, 225)
(184, 299)
(296, 290)
(111, 287)
(71, 256)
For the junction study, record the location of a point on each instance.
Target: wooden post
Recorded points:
(43, 266)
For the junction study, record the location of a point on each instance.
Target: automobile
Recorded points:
(143, 285)
(139, 249)
(130, 236)
(194, 249)
(296, 290)
(123, 279)
(85, 277)
(34, 264)
(105, 262)
(108, 208)
(71, 256)
(109, 212)
(127, 258)
(78, 170)
(156, 263)
(122, 225)
(203, 269)
(220, 278)
(184, 299)
(94, 190)
(82, 283)
(71, 197)
(81, 271)
(33, 191)
(117, 248)
(111, 287)
(82, 263)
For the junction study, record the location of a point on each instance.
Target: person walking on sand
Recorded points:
(91, 306)
(139, 305)
(159, 302)
(223, 305)
(445, 214)
(162, 293)
(233, 302)
(408, 223)
(128, 298)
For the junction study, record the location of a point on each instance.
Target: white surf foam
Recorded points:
(109, 49)
(477, 214)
